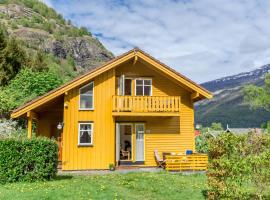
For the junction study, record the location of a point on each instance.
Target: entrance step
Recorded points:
(130, 163)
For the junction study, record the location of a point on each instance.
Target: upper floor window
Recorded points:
(143, 87)
(85, 133)
(87, 97)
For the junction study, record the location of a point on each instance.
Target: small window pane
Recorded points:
(147, 82)
(85, 127)
(139, 82)
(85, 137)
(87, 90)
(139, 90)
(86, 102)
(147, 90)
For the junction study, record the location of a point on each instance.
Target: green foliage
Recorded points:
(27, 160)
(12, 59)
(3, 39)
(14, 25)
(216, 126)
(23, 78)
(258, 97)
(239, 166)
(25, 86)
(202, 141)
(49, 26)
(38, 7)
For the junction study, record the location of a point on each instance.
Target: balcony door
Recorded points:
(125, 86)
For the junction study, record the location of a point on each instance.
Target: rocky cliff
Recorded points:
(41, 28)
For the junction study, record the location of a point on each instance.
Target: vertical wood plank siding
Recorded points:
(101, 153)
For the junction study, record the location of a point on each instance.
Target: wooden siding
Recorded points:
(165, 134)
(101, 154)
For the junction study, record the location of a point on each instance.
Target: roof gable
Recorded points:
(136, 53)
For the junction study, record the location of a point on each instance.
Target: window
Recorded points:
(85, 134)
(86, 97)
(143, 87)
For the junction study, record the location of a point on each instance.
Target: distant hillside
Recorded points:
(227, 105)
(41, 28)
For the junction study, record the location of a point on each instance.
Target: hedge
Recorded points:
(27, 159)
(239, 166)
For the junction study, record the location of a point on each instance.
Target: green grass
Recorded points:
(111, 186)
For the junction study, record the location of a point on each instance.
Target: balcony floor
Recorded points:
(165, 114)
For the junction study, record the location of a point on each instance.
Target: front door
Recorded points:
(139, 129)
(57, 135)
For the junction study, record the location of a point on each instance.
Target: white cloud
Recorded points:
(203, 39)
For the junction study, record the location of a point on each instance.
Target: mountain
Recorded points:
(41, 28)
(227, 106)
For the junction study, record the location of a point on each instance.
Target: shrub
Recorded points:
(207, 133)
(239, 166)
(201, 142)
(27, 160)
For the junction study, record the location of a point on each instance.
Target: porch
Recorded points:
(146, 105)
(47, 121)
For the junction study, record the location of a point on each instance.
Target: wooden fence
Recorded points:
(193, 162)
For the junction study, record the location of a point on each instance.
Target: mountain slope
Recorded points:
(41, 28)
(227, 106)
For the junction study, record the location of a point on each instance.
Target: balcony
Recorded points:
(146, 105)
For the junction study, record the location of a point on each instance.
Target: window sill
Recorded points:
(91, 109)
(85, 145)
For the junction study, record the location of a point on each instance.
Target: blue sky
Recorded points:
(202, 39)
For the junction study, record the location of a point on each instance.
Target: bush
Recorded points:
(27, 160)
(207, 133)
(201, 142)
(239, 166)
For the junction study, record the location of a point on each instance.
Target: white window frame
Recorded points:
(88, 95)
(79, 131)
(143, 79)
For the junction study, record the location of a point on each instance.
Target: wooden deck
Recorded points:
(194, 162)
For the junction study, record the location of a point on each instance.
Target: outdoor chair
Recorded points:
(125, 154)
(160, 162)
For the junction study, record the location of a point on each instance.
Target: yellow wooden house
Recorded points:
(118, 113)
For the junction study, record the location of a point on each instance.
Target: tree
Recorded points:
(3, 38)
(25, 86)
(216, 126)
(38, 62)
(258, 97)
(12, 60)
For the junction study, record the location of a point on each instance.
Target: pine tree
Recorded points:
(13, 59)
(3, 38)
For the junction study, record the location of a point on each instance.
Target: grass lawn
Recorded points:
(142, 185)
